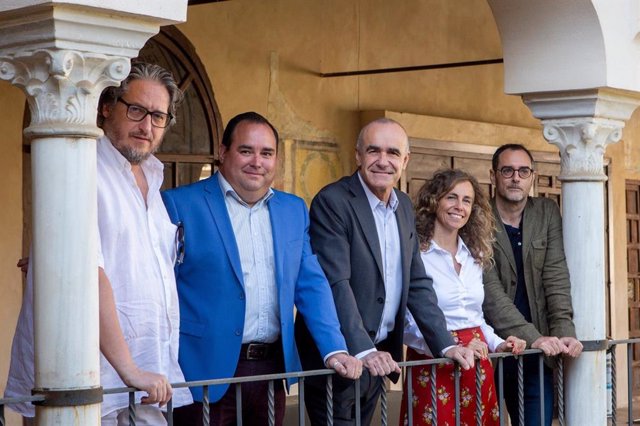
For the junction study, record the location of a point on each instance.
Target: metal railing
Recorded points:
(408, 367)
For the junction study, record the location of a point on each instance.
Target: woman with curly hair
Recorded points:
(455, 228)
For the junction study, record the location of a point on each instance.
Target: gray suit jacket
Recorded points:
(344, 237)
(546, 277)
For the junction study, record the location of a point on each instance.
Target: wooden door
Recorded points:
(429, 156)
(633, 273)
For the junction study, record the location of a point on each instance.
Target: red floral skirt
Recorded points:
(423, 412)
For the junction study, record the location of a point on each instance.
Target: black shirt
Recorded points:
(521, 300)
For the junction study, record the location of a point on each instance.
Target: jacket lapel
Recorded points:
(278, 216)
(529, 226)
(362, 210)
(215, 199)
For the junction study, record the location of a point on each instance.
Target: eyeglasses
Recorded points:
(523, 172)
(180, 244)
(138, 113)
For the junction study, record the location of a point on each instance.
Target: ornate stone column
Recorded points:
(582, 125)
(63, 56)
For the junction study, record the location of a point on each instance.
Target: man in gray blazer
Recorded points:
(528, 292)
(363, 232)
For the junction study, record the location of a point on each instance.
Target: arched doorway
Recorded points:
(191, 145)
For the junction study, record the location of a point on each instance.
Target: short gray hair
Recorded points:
(143, 71)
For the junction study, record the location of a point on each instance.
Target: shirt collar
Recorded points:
(228, 190)
(375, 201)
(462, 248)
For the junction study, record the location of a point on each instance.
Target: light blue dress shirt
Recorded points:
(389, 240)
(252, 230)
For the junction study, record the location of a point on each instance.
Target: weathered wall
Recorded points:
(267, 55)
(235, 41)
(12, 101)
(239, 43)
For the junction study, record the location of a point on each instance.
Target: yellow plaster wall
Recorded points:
(267, 55)
(237, 41)
(11, 102)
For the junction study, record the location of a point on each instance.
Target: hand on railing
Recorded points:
(550, 345)
(513, 345)
(345, 365)
(380, 363)
(574, 347)
(464, 356)
(479, 348)
(155, 385)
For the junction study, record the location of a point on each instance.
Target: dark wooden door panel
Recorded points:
(633, 272)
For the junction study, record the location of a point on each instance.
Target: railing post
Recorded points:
(560, 382)
(410, 396)
(614, 392)
(239, 404)
(206, 407)
(501, 412)
(456, 385)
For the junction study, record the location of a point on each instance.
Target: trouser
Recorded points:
(254, 395)
(531, 389)
(344, 402)
(146, 415)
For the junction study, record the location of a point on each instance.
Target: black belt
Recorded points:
(260, 351)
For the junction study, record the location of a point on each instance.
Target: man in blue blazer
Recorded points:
(245, 262)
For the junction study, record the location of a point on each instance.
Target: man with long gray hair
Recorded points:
(139, 315)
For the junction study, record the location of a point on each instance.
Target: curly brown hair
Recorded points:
(478, 232)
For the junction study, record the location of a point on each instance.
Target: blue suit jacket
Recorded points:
(211, 288)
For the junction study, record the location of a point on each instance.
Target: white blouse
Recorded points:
(459, 296)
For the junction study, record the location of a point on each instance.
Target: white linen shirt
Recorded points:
(254, 238)
(459, 296)
(137, 251)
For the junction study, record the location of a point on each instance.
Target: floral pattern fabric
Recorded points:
(423, 410)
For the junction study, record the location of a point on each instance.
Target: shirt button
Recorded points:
(380, 300)
(242, 297)
(238, 333)
(372, 334)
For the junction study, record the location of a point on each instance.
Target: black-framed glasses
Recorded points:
(138, 113)
(507, 172)
(180, 244)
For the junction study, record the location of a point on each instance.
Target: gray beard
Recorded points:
(133, 156)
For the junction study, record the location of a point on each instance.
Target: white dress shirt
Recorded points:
(252, 229)
(137, 252)
(460, 296)
(389, 240)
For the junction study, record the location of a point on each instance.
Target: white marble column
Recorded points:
(582, 125)
(63, 88)
(63, 56)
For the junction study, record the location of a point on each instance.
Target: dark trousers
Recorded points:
(344, 402)
(531, 389)
(255, 410)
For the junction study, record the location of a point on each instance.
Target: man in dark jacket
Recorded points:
(528, 292)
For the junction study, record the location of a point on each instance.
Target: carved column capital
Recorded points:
(582, 143)
(63, 88)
